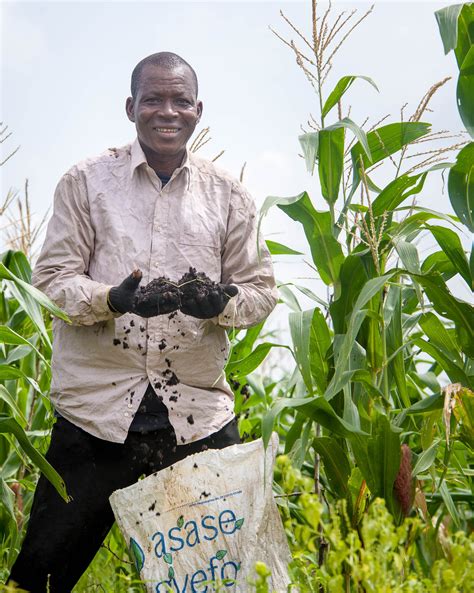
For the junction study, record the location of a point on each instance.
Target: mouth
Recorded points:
(168, 131)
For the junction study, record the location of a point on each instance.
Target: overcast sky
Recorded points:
(66, 69)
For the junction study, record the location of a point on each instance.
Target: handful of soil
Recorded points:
(158, 297)
(201, 297)
(196, 285)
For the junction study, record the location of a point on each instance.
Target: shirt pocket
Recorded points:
(199, 225)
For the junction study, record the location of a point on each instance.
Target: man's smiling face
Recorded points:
(165, 111)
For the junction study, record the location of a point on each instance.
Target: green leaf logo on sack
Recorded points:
(137, 554)
(220, 554)
(171, 572)
(180, 521)
(168, 558)
(239, 523)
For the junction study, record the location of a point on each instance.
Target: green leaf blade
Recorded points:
(10, 425)
(461, 186)
(336, 464)
(309, 143)
(280, 249)
(447, 19)
(326, 251)
(331, 162)
(341, 87)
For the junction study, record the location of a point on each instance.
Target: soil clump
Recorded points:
(196, 285)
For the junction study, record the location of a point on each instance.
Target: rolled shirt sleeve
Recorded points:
(61, 271)
(246, 264)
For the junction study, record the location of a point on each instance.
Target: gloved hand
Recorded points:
(207, 303)
(121, 298)
(157, 298)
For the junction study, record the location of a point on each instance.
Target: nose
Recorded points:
(167, 108)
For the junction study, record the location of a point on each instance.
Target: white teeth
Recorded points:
(167, 130)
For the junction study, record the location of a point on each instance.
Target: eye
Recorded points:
(183, 102)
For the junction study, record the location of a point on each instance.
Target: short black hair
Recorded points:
(165, 59)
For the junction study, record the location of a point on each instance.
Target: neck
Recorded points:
(163, 164)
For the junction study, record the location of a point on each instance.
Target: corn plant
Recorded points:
(25, 353)
(380, 403)
(25, 413)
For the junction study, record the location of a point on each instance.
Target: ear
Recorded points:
(129, 108)
(199, 109)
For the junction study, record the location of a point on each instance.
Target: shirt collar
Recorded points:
(138, 158)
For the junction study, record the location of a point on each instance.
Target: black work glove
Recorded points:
(121, 298)
(209, 302)
(147, 301)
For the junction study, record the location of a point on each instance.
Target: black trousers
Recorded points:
(63, 538)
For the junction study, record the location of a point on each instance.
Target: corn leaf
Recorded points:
(287, 297)
(409, 255)
(385, 141)
(396, 192)
(353, 276)
(454, 372)
(441, 337)
(447, 19)
(319, 344)
(30, 293)
(446, 305)
(426, 459)
(465, 33)
(315, 408)
(427, 404)
(331, 162)
(10, 401)
(7, 498)
(341, 87)
(383, 449)
(438, 262)
(280, 249)
(243, 367)
(9, 336)
(461, 186)
(309, 143)
(300, 328)
(325, 250)
(10, 425)
(465, 90)
(336, 464)
(340, 377)
(449, 503)
(395, 341)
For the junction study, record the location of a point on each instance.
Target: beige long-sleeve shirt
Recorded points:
(111, 216)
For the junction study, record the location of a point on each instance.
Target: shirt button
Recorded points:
(126, 414)
(129, 406)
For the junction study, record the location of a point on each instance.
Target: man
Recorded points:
(137, 378)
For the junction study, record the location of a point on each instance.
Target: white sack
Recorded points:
(208, 518)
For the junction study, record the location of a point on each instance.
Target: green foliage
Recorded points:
(25, 414)
(368, 399)
(456, 25)
(334, 554)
